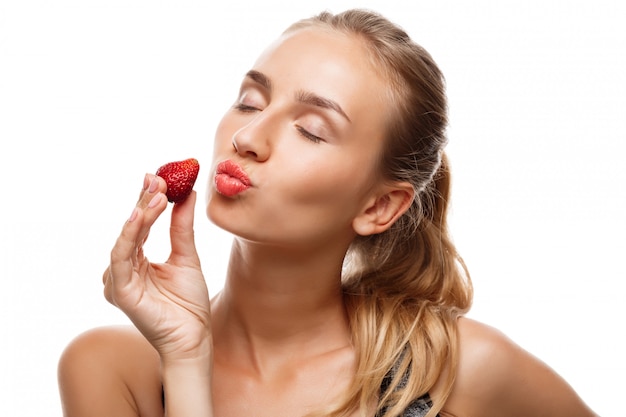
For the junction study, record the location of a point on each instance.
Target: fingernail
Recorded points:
(155, 201)
(133, 215)
(146, 182)
(154, 185)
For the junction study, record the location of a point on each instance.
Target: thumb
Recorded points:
(182, 233)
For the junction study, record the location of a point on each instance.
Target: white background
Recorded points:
(93, 94)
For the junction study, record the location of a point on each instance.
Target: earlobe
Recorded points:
(383, 210)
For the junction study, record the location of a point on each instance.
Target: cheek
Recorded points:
(324, 184)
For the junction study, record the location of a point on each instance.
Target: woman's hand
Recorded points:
(167, 302)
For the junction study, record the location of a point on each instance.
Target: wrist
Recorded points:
(198, 371)
(187, 386)
(188, 361)
(196, 349)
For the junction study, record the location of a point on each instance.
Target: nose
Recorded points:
(252, 140)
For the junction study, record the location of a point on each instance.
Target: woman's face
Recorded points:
(307, 130)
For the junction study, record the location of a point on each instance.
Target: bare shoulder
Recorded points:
(111, 371)
(497, 377)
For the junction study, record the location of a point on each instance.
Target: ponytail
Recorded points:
(404, 309)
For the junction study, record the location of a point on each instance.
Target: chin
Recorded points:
(211, 211)
(222, 214)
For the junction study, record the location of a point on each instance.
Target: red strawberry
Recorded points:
(180, 177)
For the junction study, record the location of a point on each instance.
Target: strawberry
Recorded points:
(180, 177)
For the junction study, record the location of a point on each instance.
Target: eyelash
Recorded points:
(308, 135)
(303, 132)
(245, 108)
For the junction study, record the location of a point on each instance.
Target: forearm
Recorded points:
(187, 388)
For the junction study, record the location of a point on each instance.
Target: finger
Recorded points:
(108, 294)
(182, 233)
(127, 253)
(153, 202)
(105, 276)
(124, 252)
(146, 184)
(152, 184)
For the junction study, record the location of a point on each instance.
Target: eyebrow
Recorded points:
(305, 97)
(260, 78)
(313, 99)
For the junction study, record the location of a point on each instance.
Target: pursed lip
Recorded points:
(232, 169)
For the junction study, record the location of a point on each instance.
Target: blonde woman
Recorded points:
(344, 294)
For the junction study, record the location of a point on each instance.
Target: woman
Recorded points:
(344, 294)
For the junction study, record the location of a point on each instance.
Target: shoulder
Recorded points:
(496, 377)
(108, 365)
(480, 345)
(106, 344)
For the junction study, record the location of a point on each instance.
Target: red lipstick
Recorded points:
(231, 179)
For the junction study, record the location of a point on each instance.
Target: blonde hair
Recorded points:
(406, 287)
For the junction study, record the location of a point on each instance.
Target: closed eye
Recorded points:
(244, 108)
(308, 135)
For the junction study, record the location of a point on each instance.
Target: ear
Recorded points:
(384, 208)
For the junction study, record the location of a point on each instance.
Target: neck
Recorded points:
(278, 300)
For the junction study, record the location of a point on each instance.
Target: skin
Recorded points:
(275, 341)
